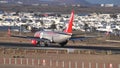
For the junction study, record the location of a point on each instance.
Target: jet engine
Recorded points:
(34, 42)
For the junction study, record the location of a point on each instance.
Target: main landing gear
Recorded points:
(41, 43)
(63, 43)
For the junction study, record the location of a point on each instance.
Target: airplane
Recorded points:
(45, 38)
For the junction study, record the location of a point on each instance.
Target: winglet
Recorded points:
(70, 24)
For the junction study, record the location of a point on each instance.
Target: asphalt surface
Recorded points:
(30, 46)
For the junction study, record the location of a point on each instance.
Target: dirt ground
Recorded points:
(51, 61)
(15, 66)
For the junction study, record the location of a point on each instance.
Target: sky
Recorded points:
(116, 2)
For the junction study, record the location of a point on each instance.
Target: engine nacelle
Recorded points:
(34, 42)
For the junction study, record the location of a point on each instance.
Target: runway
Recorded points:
(55, 46)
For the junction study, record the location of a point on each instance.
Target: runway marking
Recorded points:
(113, 41)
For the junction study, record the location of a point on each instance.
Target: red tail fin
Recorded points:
(69, 27)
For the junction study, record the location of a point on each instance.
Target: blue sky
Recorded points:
(117, 2)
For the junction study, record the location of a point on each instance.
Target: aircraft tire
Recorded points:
(38, 44)
(42, 44)
(46, 44)
(62, 45)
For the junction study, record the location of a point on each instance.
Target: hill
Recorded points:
(50, 2)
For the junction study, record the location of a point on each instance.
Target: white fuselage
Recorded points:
(53, 36)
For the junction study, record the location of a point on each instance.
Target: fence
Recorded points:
(56, 63)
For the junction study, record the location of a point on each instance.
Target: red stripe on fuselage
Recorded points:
(37, 34)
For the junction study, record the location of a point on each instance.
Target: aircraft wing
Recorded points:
(82, 37)
(29, 37)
